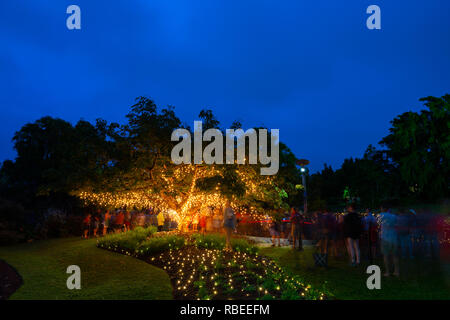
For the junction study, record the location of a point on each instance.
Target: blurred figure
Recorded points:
(431, 239)
(160, 221)
(416, 234)
(120, 217)
(322, 231)
(229, 223)
(217, 220)
(134, 214)
(296, 227)
(184, 225)
(209, 221)
(106, 222)
(341, 245)
(96, 225)
(389, 244)
(112, 221)
(140, 219)
(167, 221)
(86, 225)
(352, 233)
(202, 224)
(404, 234)
(195, 221)
(127, 221)
(153, 217)
(274, 230)
(174, 223)
(370, 227)
(286, 226)
(148, 220)
(332, 226)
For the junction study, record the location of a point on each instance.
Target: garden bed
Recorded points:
(200, 268)
(10, 280)
(217, 274)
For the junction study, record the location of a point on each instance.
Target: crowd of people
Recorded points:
(115, 221)
(388, 233)
(367, 235)
(208, 219)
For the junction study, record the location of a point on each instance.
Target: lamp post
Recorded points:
(302, 163)
(305, 199)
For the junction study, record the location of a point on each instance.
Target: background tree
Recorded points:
(412, 166)
(419, 144)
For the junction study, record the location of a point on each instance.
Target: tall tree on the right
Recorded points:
(419, 145)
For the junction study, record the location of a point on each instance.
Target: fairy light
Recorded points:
(164, 193)
(185, 269)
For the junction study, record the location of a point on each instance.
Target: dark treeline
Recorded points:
(411, 166)
(55, 157)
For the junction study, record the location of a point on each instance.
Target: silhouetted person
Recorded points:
(352, 234)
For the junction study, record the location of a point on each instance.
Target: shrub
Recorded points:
(209, 241)
(203, 293)
(129, 240)
(242, 245)
(160, 244)
(217, 241)
(290, 294)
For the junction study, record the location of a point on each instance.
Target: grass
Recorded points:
(421, 279)
(104, 274)
(108, 275)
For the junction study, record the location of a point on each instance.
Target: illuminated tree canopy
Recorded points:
(140, 174)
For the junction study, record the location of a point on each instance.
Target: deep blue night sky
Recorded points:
(310, 68)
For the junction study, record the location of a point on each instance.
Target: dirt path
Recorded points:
(10, 280)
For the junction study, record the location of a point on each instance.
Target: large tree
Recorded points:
(143, 174)
(419, 144)
(412, 166)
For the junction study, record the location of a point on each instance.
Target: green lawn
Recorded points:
(104, 274)
(420, 279)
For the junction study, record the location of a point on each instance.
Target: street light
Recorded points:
(302, 163)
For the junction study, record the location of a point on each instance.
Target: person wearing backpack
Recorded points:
(229, 223)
